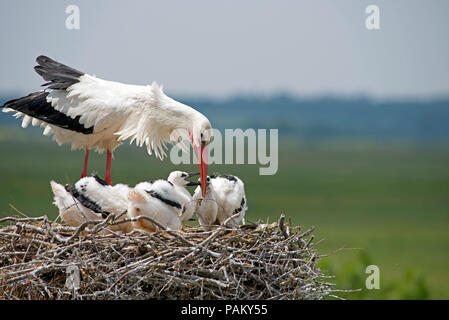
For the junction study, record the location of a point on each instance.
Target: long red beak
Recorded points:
(203, 168)
(202, 158)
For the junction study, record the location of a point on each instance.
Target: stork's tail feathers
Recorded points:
(58, 75)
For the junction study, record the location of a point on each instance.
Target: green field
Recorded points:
(389, 202)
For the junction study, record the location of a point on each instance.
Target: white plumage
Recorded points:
(110, 199)
(90, 199)
(231, 198)
(118, 112)
(228, 194)
(206, 207)
(71, 210)
(91, 113)
(166, 201)
(143, 204)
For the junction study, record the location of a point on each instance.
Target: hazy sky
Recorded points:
(220, 48)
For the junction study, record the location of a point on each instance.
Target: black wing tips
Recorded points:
(47, 64)
(17, 104)
(58, 75)
(35, 105)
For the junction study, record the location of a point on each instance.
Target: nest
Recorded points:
(40, 259)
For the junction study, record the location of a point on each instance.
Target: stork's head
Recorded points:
(179, 178)
(200, 137)
(208, 187)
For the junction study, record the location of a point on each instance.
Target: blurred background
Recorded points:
(363, 116)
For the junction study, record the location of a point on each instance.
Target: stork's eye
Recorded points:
(203, 142)
(183, 175)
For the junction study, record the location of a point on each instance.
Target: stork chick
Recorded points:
(225, 197)
(206, 207)
(231, 199)
(146, 204)
(166, 201)
(91, 198)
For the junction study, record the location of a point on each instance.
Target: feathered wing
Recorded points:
(108, 199)
(90, 112)
(157, 120)
(70, 209)
(34, 107)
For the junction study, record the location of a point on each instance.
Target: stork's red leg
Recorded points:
(86, 159)
(107, 177)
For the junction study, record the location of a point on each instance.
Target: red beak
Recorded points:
(202, 157)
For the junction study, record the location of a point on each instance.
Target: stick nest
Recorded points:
(40, 259)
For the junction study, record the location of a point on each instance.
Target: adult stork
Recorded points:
(89, 112)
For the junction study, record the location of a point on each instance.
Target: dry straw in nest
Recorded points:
(260, 261)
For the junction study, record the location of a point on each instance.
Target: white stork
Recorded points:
(142, 203)
(206, 207)
(228, 192)
(166, 201)
(89, 112)
(91, 198)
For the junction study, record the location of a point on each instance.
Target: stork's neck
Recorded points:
(183, 115)
(179, 114)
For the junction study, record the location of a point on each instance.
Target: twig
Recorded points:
(271, 261)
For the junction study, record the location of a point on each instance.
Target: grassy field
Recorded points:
(389, 203)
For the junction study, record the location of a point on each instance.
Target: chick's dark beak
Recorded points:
(191, 183)
(192, 174)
